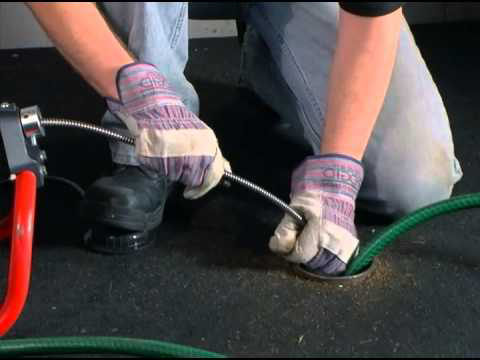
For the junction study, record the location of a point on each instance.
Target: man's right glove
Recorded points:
(324, 190)
(169, 138)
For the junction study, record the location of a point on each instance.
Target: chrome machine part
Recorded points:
(31, 118)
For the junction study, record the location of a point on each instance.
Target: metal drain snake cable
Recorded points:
(54, 122)
(368, 252)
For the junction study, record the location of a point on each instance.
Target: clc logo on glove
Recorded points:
(153, 80)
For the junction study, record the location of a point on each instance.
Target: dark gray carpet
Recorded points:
(210, 281)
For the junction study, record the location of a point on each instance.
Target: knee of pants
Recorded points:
(422, 186)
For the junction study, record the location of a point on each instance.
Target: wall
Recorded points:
(18, 29)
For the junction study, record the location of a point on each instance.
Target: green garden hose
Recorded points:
(375, 247)
(99, 345)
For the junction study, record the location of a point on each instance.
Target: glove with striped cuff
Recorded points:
(324, 190)
(169, 138)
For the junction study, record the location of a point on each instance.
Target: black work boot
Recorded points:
(123, 208)
(130, 199)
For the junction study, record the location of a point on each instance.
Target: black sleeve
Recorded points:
(370, 9)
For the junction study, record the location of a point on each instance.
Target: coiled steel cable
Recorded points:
(57, 122)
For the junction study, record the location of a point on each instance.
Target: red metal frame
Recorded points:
(19, 226)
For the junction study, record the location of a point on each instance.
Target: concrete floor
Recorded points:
(210, 280)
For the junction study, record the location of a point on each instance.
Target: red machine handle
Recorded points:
(19, 225)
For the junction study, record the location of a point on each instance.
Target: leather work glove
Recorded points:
(169, 138)
(323, 190)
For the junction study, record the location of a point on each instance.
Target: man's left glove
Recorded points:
(324, 190)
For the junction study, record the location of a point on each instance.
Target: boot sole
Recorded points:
(123, 218)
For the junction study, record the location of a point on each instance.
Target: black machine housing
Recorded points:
(19, 150)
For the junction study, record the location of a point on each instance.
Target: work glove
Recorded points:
(169, 138)
(323, 191)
